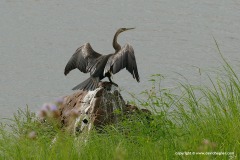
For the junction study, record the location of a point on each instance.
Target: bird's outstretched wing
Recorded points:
(83, 59)
(124, 58)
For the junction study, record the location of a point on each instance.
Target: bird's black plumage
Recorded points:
(101, 66)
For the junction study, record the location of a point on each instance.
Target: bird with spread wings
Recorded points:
(101, 66)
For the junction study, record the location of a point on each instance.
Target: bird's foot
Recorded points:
(107, 85)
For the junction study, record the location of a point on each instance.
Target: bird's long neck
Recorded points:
(116, 46)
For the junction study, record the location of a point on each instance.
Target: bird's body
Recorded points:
(101, 66)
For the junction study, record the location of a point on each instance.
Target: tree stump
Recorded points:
(82, 110)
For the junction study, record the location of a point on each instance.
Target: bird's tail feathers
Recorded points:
(89, 84)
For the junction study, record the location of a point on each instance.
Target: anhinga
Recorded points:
(101, 66)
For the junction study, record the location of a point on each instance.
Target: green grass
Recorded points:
(186, 119)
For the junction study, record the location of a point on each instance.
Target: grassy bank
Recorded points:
(186, 119)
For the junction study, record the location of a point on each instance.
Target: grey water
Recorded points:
(38, 37)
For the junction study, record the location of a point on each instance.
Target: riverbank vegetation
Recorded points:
(189, 121)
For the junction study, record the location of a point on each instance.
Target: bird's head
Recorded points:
(120, 30)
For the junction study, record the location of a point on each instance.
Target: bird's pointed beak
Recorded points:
(129, 28)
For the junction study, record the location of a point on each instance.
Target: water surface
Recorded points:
(37, 38)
